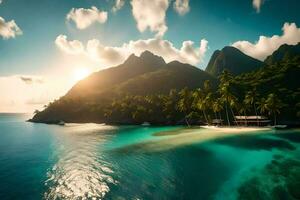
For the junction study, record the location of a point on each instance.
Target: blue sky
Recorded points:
(37, 52)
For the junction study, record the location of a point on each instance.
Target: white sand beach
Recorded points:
(236, 129)
(185, 136)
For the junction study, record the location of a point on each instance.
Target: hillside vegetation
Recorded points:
(177, 93)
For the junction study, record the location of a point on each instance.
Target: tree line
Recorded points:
(201, 105)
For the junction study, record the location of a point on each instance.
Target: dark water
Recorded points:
(88, 161)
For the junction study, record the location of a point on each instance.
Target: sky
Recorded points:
(46, 46)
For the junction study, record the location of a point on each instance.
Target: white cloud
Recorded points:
(83, 18)
(109, 55)
(265, 46)
(1, 1)
(9, 29)
(257, 4)
(106, 55)
(181, 6)
(118, 5)
(71, 47)
(186, 54)
(150, 14)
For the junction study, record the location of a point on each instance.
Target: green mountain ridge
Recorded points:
(233, 60)
(284, 52)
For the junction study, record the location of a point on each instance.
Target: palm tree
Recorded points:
(226, 96)
(169, 103)
(225, 76)
(207, 86)
(262, 106)
(223, 90)
(274, 104)
(208, 96)
(200, 102)
(243, 111)
(184, 103)
(250, 99)
(208, 103)
(217, 108)
(232, 104)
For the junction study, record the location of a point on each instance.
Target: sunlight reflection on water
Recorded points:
(81, 172)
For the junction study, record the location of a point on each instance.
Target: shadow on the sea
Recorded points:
(142, 147)
(189, 172)
(199, 172)
(253, 142)
(291, 136)
(149, 147)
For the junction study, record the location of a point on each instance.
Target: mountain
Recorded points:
(233, 60)
(174, 75)
(89, 99)
(284, 52)
(104, 80)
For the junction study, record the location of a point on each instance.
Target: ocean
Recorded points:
(97, 161)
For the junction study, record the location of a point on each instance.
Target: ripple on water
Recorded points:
(80, 172)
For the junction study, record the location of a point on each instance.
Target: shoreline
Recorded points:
(237, 128)
(209, 127)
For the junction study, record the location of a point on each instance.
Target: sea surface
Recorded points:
(94, 161)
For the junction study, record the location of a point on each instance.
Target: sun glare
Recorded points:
(80, 73)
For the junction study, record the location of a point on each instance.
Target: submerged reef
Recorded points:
(279, 179)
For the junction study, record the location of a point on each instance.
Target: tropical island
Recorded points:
(147, 89)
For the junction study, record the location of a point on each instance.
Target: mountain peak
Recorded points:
(149, 57)
(233, 60)
(147, 53)
(146, 57)
(131, 59)
(231, 50)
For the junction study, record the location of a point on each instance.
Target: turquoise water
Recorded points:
(89, 161)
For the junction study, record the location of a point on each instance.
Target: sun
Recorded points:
(80, 73)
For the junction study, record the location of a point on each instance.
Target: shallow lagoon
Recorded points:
(89, 161)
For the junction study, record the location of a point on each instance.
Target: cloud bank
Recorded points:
(83, 18)
(265, 46)
(181, 6)
(9, 29)
(150, 14)
(109, 55)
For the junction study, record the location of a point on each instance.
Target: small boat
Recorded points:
(280, 127)
(146, 124)
(61, 123)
